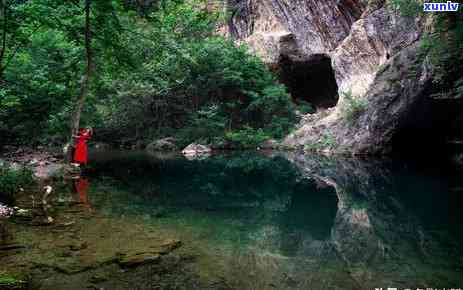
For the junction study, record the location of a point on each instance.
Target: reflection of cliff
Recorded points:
(380, 224)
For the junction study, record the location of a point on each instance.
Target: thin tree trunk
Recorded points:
(86, 78)
(3, 9)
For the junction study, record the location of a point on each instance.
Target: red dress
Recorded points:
(80, 155)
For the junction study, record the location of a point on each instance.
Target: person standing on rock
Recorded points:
(80, 154)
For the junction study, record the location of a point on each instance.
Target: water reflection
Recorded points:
(288, 221)
(81, 186)
(394, 224)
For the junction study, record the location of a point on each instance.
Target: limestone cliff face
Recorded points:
(292, 27)
(357, 36)
(372, 50)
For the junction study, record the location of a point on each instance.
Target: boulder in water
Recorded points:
(196, 149)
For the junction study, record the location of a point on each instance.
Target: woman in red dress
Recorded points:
(80, 155)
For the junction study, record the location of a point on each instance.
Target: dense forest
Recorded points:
(134, 72)
(138, 71)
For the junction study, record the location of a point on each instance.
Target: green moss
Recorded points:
(8, 281)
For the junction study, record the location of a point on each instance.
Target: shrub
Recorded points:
(326, 141)
(11, 180)
(305, 107)
(247, 137)
(409, 8)
(352, 107)
(205, 126)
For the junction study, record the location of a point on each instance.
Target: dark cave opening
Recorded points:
(310, 80)
(430, 127)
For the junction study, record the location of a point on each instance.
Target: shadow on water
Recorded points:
(298, 222)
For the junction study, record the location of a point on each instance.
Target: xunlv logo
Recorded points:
(441, 7)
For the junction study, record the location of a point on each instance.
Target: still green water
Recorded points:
(287, 221)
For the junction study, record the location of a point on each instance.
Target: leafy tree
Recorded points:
(135, 76)
(191, 79)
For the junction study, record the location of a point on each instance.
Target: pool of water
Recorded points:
(286, 221)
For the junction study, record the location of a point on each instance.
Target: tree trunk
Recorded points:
(86, 78)
(4, 18)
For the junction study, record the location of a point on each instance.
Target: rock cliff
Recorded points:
(356, 58)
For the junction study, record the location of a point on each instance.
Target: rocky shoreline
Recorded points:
(82, 249)
(50, 239)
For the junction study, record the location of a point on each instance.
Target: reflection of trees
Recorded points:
(247, 180)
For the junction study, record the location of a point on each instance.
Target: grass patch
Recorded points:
(353, 107)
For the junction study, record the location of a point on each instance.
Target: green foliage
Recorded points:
(206, 125)
(444, 49)
(39, 85)
(247, 137)
(409, 8)
(155, 74)
(8, 281)
(305, 107)
(442, 46)
(352, 107)
(42, 70)
(11, 180)
(195, 84)
(326, 142)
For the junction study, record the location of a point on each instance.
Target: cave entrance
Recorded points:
(310, 80)
(431, 125)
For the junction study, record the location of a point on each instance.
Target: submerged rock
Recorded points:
(152, 255)
(168, 246)
(139, 259)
